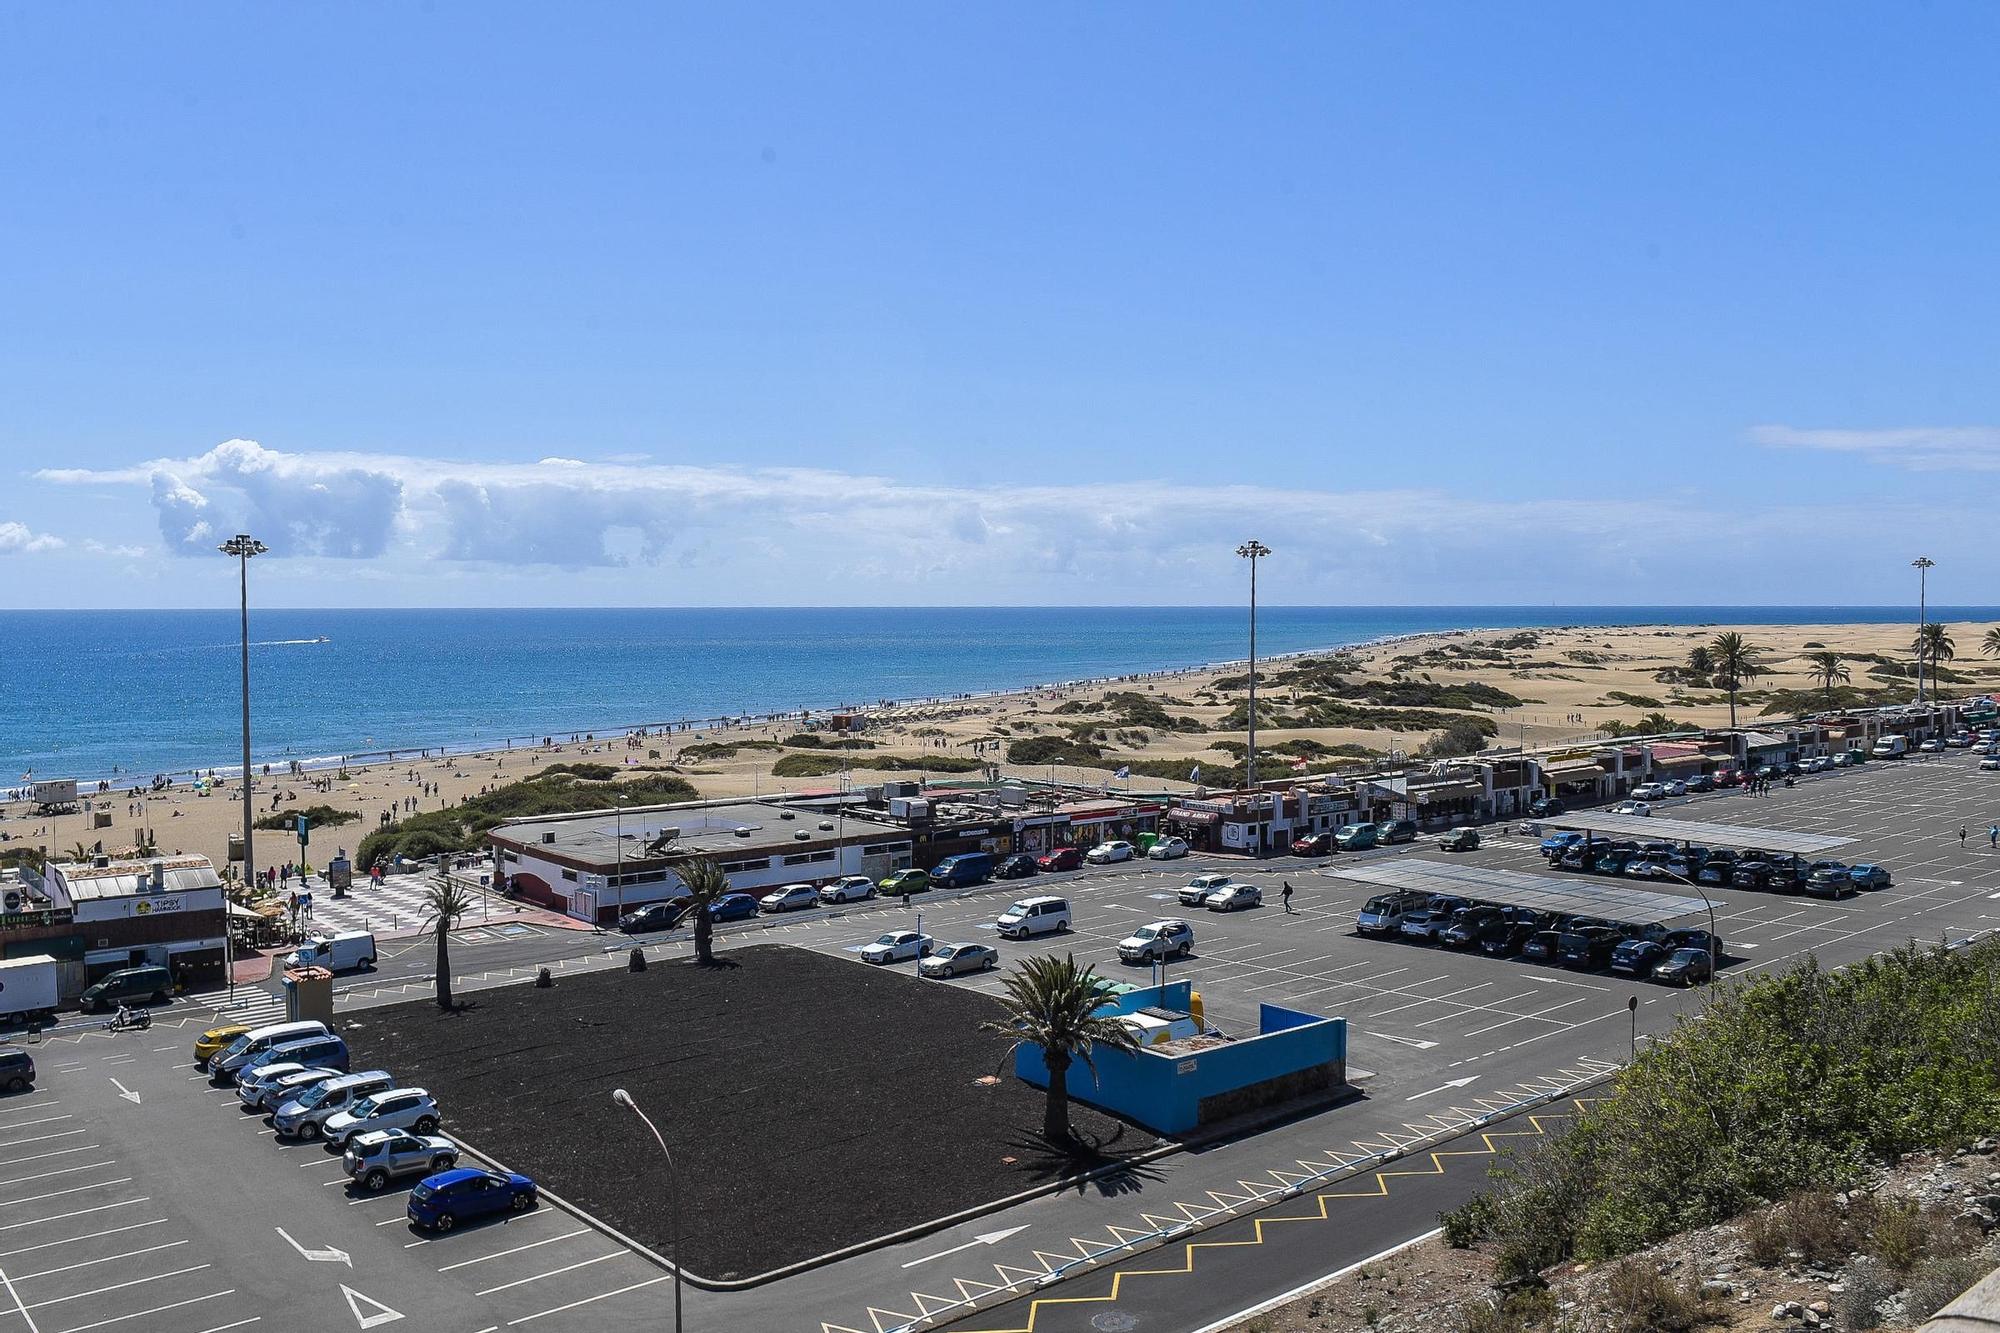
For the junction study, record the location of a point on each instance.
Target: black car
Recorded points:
(653, 916)
(1018, 866)
(1502, 938)
(1637, 958)
(1463, 932)
(1788, 874)
(1684, 967)
(1717, 868)
(1829, 879)
(1589, 947)
(1694, 939)
(17, 1070)
(1546, 807)
(1701, 782)
(1540, 947)
(1750, 875)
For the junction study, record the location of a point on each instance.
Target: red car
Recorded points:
(1313, 844)
(1062, 858)
(1728, 777)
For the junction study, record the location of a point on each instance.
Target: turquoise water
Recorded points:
(88, 693)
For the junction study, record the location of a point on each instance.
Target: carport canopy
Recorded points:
(1512, 888)
(1651, 828)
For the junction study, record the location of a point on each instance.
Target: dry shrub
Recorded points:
(1644, 1301)
(1939, 1282)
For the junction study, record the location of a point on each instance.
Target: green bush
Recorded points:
(553, 791)
(318, 816)
(1052, 750)
(1643, 1301)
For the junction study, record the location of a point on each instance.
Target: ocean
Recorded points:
(96, 694)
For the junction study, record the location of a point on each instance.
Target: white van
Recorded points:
(342, 952)
(1892, 747)
(222, 1066)
(1034, 916)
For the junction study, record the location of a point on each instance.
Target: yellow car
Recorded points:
(213, 1040)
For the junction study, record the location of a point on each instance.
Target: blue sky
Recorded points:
(1011, 304)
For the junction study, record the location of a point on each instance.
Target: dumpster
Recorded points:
(308, 994)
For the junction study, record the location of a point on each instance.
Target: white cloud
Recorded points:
(1920, 448)
(123, 551)
(17, 537)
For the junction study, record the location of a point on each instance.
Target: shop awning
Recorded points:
(1573, 770)
(1201, 817)
(239, 911)
(1679, 761)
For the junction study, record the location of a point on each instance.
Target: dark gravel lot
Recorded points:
(811, 1102)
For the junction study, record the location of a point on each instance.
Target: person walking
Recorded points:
(1287, 897)
(1961, 837)
(1993, 836)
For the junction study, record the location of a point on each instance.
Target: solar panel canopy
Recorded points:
(1577, 897)
(1651, 828)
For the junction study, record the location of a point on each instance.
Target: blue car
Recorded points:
(1867, 876)
(1556, 844)
(733, 907)
(442, 1201)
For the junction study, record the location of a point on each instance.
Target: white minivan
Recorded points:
(341, 952)
(222, 1066)
(1034, 916)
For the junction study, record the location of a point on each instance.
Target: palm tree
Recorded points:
(1735, 661)
(1052, 1003)
(1699, 661)
(448, 900)
(1990, 645)
(1933, 642)
(1827, 668)
(705, 882)
(80, 854)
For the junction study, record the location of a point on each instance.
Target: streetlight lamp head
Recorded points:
(1253, 549)
(623, 1098)
(1923, 562)
(243, 544)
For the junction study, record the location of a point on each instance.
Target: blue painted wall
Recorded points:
(1164, 1092)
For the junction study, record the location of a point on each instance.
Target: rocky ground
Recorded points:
(1885, 1256)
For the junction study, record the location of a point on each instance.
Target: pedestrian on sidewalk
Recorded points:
(1993, 836)
(1287, 896)
(1961, 837)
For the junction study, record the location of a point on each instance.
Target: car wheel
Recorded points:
(446, 1222)
(523, 1202)
(427, 1124)
(309, 1130)
(1184, 950)
(16, 1083)
(375, 1179)
(159, 997)
(443, 1162)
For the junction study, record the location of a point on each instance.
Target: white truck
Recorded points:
(28, 986)
(1892, 747)
(340, 952)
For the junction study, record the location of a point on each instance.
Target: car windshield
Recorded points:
(890, 939)
(366, 1107)
(1689, 955)
(314, 1095)
(1377, 905)
(237, 1047)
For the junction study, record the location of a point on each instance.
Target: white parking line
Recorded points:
(78, 1240)
(553, 1272)
(60, 1217)
(53, 1152)
(128, 1254)
(74, 1189)
(27, 1124)
(158, 1309)
(63, 1171)
(44, 1138)
(1525, 1017)
(241, 1323)
(543, 1314)
(467, 1263)
(118, 1286)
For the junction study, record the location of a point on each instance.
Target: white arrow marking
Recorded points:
(1406, 1041)
(983, 1238)
(125, 1092)
(1455, 1083)
(355, 1300)
(328, 1256)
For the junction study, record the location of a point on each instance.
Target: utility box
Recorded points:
(308, 994)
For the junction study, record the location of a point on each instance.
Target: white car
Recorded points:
(1989, 765)
(393, 1108)
(1649, 791)
(1161, 940)
(1106, 852)
(1195, 892)
(1677, 788)
(954, 960)
(272, 1093)
(897, 946)
(1232, 896)
(1631, 808)
(1167, 849)
(1932, 746)
(848, 889)
(791, 898)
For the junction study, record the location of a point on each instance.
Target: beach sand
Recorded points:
(1566, 680)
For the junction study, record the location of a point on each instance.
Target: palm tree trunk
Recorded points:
(1055, 1113)
(704, 934)
(443, 967)
(1732, 708)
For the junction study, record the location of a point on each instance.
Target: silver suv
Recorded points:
(305, 1117)
(397, 1108)
(380, 1155)
(1159, 941)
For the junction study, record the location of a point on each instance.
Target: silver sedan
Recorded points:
(955, 960)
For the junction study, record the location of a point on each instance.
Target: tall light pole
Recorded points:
(1253, 551)
(242, 546)
(1923, 564)
(624, 1099)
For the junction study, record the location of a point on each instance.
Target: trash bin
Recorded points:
(308, 994)
(1146, 841)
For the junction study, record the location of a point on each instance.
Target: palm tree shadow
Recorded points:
(722, 961)
(1107, 1155)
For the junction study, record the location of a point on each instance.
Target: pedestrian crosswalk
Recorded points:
(253, 1005)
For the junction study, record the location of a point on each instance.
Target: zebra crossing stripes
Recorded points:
(253, 1005)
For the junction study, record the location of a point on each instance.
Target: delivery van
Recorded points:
(342, 952)
(27, 986)
(1892, 747)
(958, 871)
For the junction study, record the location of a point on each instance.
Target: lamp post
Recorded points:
(624, 1099)
(1923, 564)
(242, 546)
(1253, 551)
(1714, 940)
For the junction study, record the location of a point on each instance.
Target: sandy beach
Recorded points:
(1570, 685)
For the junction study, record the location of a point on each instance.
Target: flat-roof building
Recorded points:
(101, 915)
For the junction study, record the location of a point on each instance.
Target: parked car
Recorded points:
(1750, 875)
(1505, 936)
(1631, 808)
(1614, 861)
(1541, 947)
(380, 1155)
(1426, 924)
(962, 871)
(1694, 939)
(1383, 914)
(1106, 853)
(1167, 849)
(271, 1093)
(213, 1040)
(905, 881)
(896, 946)
(1588, 946)
(653, 916)
(1557, 843)
(323, 1049)
(250, 1084)
(1700, 782)
(1728, 777)
(1717, 867)
(1466, 925)
(1018, 866)
(1034, 916)
(1159, 941)
(1391, 831)
(463, 1194)
(1460, 840)
(1869, 876)
(732, 907)
(1676, 787)
(1684, 967)
(1637, 958)
(1546, 808)
(1931, 746)
(1990, 764)
(1195, 892)
(17, 1070)
(790, 898)
(305, 1117)
(1356, 837)
(392, 1108)
(1649, 791)
(848, 889)
(1313, 844)
(1830, 879)
(1230, 897)
(953, 960)
(1062, 858)
(1582, 854)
